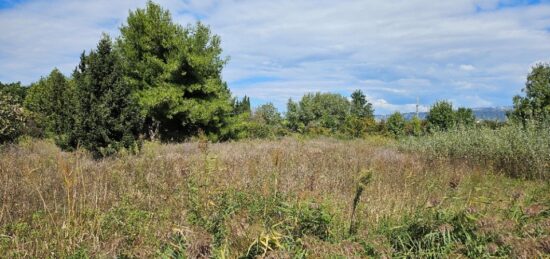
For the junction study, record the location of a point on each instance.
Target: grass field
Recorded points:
(288, 198)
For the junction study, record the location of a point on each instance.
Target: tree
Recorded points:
(326, 110)
(414, 126)
(441, 116)
(15, 90)
(51, 101)
(293, 116)
(535, 105)
(11, 118)
(175, 73)
(267, 114)
(243, 106)
(360, 107)
(465, 117)
(361, 116)
(396, 124)
(107, 118)
(357, 127)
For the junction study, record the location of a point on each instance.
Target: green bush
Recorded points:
(11, 119)
(441, 116)
(396, 124)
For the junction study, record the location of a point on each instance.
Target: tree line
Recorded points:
(160, 80)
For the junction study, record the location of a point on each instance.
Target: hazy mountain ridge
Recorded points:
(481, 113)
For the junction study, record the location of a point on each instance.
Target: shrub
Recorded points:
(441, 116)
(11, 119)
(414, 127)
(396, 124)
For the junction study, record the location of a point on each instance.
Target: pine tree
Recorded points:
(107, 118)
(175, 73)
(243, 106)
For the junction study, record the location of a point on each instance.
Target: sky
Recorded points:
(474, 53)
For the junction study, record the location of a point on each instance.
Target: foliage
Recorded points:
(293, 117)
(106, 117)
(357, 127)
(396, 124)
(535, 105)
(242, 106)
(15, 90)
(360, 107)
(11, 118)
(465, 117)
(441, 116)
(267, 114)
(326, 110)
(414, 127)
(175, 73)
(51, 101)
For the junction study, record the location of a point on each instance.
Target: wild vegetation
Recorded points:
(143, 152)
(278, 199)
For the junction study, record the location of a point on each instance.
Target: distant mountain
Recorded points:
(485, 113)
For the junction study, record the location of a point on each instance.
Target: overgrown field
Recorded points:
(289, 198)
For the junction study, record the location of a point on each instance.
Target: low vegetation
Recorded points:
(511, 150)
(277, 199)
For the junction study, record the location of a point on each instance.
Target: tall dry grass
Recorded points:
(269, 198)
(512, 150)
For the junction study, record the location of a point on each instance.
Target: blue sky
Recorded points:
(475, 53)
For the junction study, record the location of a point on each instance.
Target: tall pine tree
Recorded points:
(106, 116)
(176, 74)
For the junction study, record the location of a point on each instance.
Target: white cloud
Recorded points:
(467, 67)
(394, 51)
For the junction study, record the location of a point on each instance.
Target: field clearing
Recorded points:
(272, 198)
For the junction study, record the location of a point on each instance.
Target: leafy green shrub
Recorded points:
(396, 124)
(465, 117)
(441, 116)
(414, 127)
(357, 127)
(11, 119)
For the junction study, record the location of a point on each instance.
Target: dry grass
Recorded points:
(226, 200)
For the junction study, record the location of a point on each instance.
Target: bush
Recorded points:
(441, 116)
(396, 124)
(11, 119)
